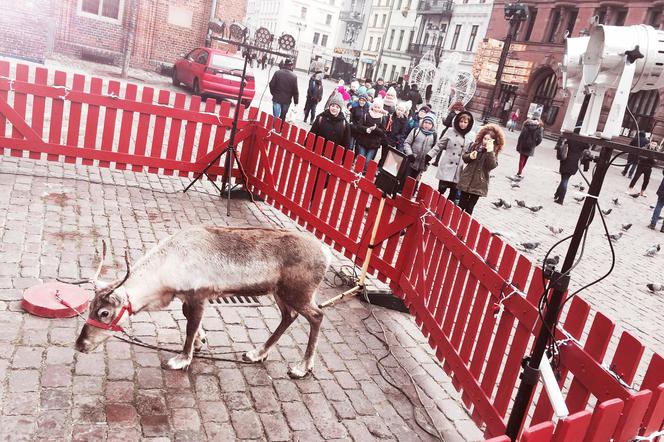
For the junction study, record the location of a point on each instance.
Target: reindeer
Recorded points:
(199, 263)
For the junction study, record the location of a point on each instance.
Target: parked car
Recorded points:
(213, 72)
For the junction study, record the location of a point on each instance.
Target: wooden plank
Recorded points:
(339, 198)
(108, 133)
(92, 119)
(595, 346)
(57, 114)
(206, 129)
(158, 131)
(654, 418)
(627, 357)
(174, 132)
(220, 133)
(39, 108)
(74, 125)
(19, 105)
(573, 427)
(331, 188)
(4, 93)
(632, 415)
(538, 433)
(190, 133)
(604, 420)
(126, 125)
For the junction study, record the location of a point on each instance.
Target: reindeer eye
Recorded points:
(104, 313)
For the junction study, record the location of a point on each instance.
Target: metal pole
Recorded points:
(514, 25)
(560, 281)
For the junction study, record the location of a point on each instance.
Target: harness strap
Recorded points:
(114, 324)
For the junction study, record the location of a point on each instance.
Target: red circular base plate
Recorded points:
(40, 300)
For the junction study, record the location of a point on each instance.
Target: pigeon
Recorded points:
(498, 203)
(579, 199)
(635, 195)
(626, 227)
(652, 251)
(535, 208)
(552, 261)
(530, 245)
(506, 205)
(555, 230)
(514, 185)
(615, 201)
(607, 211)
(655, 287)
(520, 203)
(615, 236)
(514, 179)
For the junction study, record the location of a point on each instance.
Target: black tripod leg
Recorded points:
(210, 164)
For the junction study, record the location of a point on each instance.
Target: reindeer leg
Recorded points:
(200, 341)
(315, 317)
(183, 360)
(288, 315)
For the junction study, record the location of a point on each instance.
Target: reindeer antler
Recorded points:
(92, 280)
(128, 270)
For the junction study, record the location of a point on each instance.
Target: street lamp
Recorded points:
(300, 26)
(515, 13)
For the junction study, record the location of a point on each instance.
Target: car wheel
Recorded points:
(176, 82)
(196, 87)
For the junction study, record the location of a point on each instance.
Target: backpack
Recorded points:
(435, 135)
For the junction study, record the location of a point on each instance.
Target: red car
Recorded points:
(213, 72)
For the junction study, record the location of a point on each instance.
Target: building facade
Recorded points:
(313, 24)
(98, 29)
(350, 36)
(394, 62)
(433, 23)
(538, 48)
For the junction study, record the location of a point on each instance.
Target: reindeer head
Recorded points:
(106, 311)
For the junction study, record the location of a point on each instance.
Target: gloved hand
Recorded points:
(473, 155)
(427, 159)
(411, 157)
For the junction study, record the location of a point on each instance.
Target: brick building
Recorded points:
(539, 45)
(98, 29)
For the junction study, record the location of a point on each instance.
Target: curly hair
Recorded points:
(498, 136)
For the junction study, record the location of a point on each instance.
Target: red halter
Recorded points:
(114, 324)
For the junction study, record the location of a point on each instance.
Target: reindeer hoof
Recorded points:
(178, 362)
(254, 356)
(299, 372)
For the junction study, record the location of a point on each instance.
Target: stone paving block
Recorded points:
(298, 416)
(246, 423)
(55, 399)
(89, 409)
(92, 433)
(155, 425)
(213, 411)
(91, 364)
(88, 385)
(287, 390)
(231, 380)
(59, 355)
(180, 399)
(149, 377)
(121, 415)
(23, 380)
(220, 431)
(265, 399)
(19, 427)
(186, 419)
(56, 376)
(27, 357)
(120, 369)
(23, 403)
(151, 403)
(275, 426)
(52, 424)
(237, 401)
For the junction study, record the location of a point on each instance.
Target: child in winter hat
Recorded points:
(418, 143)
(376, 110)
(390, 99)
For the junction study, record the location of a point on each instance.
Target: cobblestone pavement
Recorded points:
(623, 296)
(52, 218)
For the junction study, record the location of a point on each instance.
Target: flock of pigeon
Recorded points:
(532, 245)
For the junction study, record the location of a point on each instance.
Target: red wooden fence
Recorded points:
(472, 295)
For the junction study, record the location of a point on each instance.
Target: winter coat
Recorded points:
(418, 143)
(398, 129)
(414, 121)
(356, 116)
(335, 129)
(283, 87)
(660, 189)
(371, 140)
(530, 137)
(570, 165)
(454, 143)
(415, 98)
(314, 91)
(475, 175)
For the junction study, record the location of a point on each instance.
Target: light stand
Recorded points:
(238, 36)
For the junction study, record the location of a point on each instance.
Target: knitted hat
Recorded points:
(338, 100)
(345, 95)
(430, 117)
(362, 90)
(363, 97)
(382, 93)
(371, 92)
(404, 106)
(341, 82)
(391, 97)
(376, 109)
(425, 108)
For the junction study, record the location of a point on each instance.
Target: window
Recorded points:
(571, 21)
(399, 6)
(382, 23)
(601, 15)
(303, 12)
(378, 44)
(389, 45)
(384, 70)
(620, 16)
(554, 22)
(401, 34)
(410, 39)
(323, 40)
(102, 8)
(471, 40)
(531, 24)
(643, 105)
(655, 18)
(394, 69)
(328, 19)
(403, 71)
(202, 58)
(375, 20)
(370, 43)
(316, 37)
(455, 38)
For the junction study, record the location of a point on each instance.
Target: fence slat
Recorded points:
(604, 421)
(92, 120)
(57, 115)
(627, 357)
(654, 418)
(190, 133)
(573, 427)
(127, 124)
(164, 97)
(4, 93)
(108, 133)
(206, 129)
(341, 202)
(39, 108)
(219, 135)
(632, 415)
(331, 185)
(143, 125)
(538, 433)
(20, 104)
(74, 125)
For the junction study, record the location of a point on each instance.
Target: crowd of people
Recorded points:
(368, 118)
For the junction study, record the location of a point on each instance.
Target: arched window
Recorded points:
(642, 105)
(544, 94)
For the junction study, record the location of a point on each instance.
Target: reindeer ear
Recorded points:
(114, 299)
(100, 285)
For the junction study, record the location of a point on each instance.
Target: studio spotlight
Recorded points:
(217, 27)
(238, 32)
(572, 69)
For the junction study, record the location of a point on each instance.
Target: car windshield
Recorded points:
(224, 62)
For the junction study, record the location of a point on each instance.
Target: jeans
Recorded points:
(369, 154)
(641, 170)
(561, 191)
(310, 107)
(658, 210)
(279, 110)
